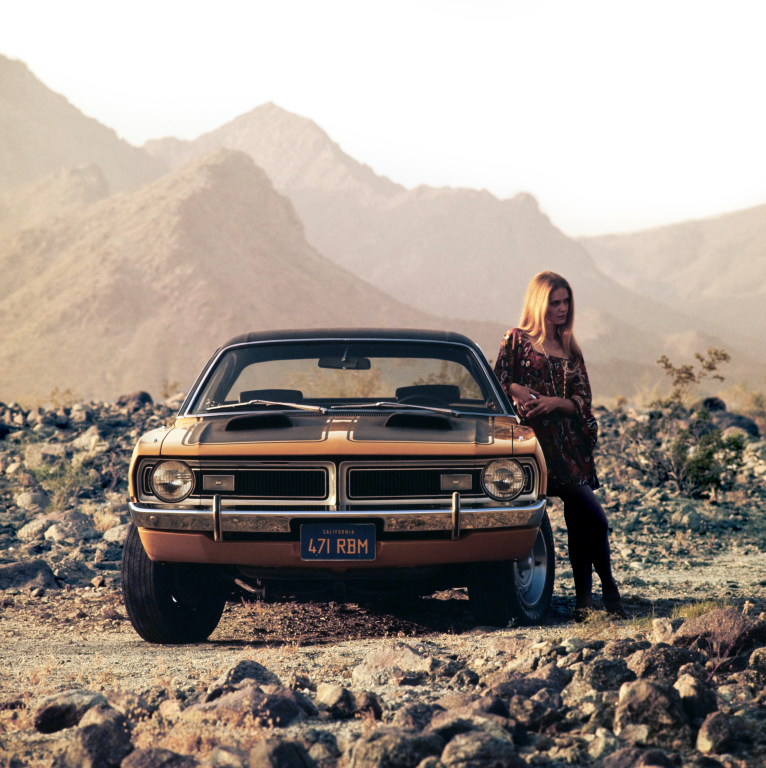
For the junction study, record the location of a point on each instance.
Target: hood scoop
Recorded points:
(264, 421)
(418, 421)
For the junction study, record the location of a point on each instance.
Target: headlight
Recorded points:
(172, 481)
(503, 479)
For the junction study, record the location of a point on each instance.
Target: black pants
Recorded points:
(588, 539)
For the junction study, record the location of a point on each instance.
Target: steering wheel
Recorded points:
(435, 402)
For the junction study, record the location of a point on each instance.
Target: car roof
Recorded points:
(347, 334)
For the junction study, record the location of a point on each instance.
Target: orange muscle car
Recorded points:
(345, 460)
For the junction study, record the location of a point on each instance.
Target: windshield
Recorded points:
(354, 374)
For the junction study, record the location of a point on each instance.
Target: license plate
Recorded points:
(337, 541)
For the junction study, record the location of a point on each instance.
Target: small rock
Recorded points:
(135, 401)
(27, 574)
(170, 709)
(650, 714)
(101, 740)
(396, 749)
(277, 708)
(245, 670)
(157, 758)
(757, 660)
(715, 734)
(390, 661)
(132, 705)
(604, 743)
(664, 629)
(723, 632)
(35, 528)
(117, 534)
(477, 749)
(98, 581)
(698, 699)
(32, 500)
(415, 716)
(63, 710)
(39, 455)
(661, 662)
(274, 753)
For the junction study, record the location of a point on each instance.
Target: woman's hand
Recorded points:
(524, 398)
(543, 405)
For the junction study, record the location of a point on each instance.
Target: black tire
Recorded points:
(169, 602)
(516, 591)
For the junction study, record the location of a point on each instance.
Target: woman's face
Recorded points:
(558, 307)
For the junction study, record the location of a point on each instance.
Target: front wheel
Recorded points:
(518, 591)
(169, 602)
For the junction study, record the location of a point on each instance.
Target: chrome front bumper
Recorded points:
(525, 515)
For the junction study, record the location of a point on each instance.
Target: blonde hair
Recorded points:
(536, 301)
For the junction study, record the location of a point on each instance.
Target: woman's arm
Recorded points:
(542, 405)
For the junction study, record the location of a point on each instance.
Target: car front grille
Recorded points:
(278, 483)
(412, 483)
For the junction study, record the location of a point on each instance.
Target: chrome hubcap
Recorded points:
(530, 573)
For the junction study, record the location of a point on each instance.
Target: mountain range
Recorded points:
(127, 266)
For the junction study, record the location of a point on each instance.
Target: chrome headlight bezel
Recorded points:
(186, 485)
(507, 465)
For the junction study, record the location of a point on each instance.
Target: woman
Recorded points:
(540, 366)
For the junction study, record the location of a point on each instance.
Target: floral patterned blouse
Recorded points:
(567, 440)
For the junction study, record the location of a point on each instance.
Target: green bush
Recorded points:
(682, 448)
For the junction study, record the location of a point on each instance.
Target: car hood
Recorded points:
(304, 434)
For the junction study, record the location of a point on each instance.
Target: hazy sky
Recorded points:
(616, 115)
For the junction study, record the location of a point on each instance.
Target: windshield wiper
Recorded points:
(387, 404)
(315, 408)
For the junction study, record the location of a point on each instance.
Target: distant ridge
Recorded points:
(40, 131)
(141, 287)
(714, 267)
(451, 252)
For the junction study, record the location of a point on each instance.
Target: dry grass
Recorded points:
(693, 610)
(103, 520)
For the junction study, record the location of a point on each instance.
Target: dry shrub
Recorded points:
(103, 520)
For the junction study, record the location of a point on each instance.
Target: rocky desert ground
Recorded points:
(407, 682)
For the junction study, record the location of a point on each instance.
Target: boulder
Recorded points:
(711, 404)
(661, 662)
(477, 749)
(278, 707)
(722, 633)
(275, 753)
(392, 748)
(621, 649)
(632, 757)
(157, 758)
(602, 675)
(71, 531)
(117, 534)
(715, 734)
(39, 455)
(664, 629)
(32, 500)
(397, 661)
(649, 714)
(724, 420)
(130, 704)
(63, 710)
(417, 715)
(135, 401)
(101, 741)
(27, 574)
(697, 699)
(36, 528)
(243, 670)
